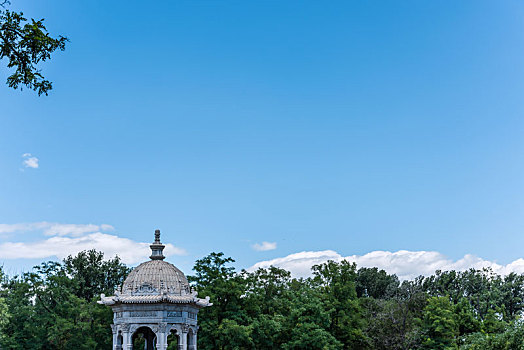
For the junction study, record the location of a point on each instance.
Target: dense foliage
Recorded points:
(25, 44)
(338, 307)
(54, 306)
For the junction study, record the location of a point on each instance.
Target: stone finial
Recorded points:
(157, 248)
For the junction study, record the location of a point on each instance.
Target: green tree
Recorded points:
(391, 324)
(214, 277)
(4, 311)
(92, 275)
(50, 314)
(493, 322)
(512, 295)
(336, 283)
(511, 339)
(267, 291)
(233, 336)
(269, 331)
(4, 317)
(267, 302)
(394, 322)
(467, 321)
(308, 336)
(439, 327)
(482, 288)
(307, 326)
(375, 283)
(25, 44)
(447, 283)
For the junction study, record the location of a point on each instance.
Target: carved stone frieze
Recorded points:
(142, 314)
(185, 328)
(162, 327)
(133, 328)
(174, 314)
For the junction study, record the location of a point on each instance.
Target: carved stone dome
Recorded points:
(156, 276)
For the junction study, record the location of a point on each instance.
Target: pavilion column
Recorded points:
(161, 341)
(182, 340)
(127, 343)
(161, 337)
(115, 337)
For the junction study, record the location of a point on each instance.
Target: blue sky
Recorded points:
(349, 127)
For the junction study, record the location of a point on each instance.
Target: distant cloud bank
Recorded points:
(61, 240)
(30, 161)
(405, 264)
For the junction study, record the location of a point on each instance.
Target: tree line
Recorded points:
(339, 307)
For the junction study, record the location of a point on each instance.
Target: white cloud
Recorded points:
(10, 228)
(30, 161)
(70, 229)
(299, 264)
(405, 264)
(55, 229)
(70, 239)
(261, 247)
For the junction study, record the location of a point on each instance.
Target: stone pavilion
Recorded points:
(155, 301)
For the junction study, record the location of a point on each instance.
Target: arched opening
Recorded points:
(172, 340)
(144, 339)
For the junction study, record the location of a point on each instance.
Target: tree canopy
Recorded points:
(24, 44)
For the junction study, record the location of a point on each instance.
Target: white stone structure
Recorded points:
(154, 302)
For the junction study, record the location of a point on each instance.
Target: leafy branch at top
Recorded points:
(25, 44)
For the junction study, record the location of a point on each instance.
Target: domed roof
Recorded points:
(156, 276)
